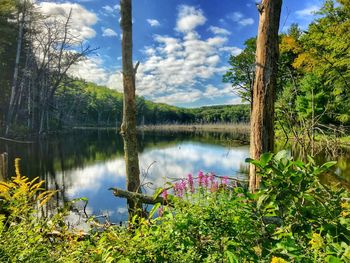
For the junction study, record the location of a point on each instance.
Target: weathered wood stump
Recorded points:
(3, 166)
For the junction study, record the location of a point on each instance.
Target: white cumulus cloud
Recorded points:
(90, 69)
(309, 11)
(153, 22)
(81, 21)
(109, 32)
(111, 10)
(219, 30)
(189, 18)
(175, 69)
(240, 19)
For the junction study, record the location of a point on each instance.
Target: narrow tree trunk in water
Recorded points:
(262, 119)
(128, 127)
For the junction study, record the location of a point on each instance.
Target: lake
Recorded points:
(86, 163)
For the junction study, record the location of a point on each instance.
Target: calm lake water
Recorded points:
(87, 163)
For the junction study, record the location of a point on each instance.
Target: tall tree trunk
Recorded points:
(128, 127)
(262, 119)
(12, 104)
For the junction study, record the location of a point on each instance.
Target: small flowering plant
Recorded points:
(204, 183)
(196, 188)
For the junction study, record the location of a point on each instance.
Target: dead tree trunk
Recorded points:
(128, 127)
(262, 119)
(12, 104)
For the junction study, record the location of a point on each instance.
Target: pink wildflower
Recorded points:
(200, 178)
(191, 183)
(224, 180)
(183, 185)
(165, 194)
(206, 180)
(179, 188)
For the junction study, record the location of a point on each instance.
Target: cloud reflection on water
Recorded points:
(171, 162)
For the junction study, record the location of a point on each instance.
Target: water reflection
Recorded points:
(87, 163)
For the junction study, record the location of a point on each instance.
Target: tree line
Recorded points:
(82, 103)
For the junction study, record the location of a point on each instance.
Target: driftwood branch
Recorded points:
(145, 199)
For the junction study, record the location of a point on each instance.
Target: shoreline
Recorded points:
(229, 127)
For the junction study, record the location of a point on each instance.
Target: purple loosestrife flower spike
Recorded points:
(224, 180)
(206, 180)
(178, 187)
(191, 182)
(200, 178)
(183, 185)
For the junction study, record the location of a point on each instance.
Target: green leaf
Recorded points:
(265, 158)
(333, 259)
(261, 200)
(231, 257)
(157, 192)
(328, 165)
(154, 210)
(281, 155)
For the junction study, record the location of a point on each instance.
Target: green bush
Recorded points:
(293, 218)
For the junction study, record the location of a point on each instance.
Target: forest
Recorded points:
(82, 179)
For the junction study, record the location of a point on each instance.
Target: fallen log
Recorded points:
(145, 199)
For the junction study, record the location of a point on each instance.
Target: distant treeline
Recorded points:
(87, 104)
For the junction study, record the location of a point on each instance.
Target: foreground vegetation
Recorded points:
(293, 218)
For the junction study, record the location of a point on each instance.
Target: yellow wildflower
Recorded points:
(316, 242)
(278, 260)
(344, 205)
(344, 213)
(17, 167)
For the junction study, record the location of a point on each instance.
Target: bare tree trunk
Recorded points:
(262, 119)
(15, 74)
(128, 127)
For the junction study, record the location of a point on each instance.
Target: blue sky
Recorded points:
(183, 45)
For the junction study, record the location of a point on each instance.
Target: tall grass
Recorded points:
(218, 127)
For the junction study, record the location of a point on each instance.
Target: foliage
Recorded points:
(88, 104)
(314, 74)
(293, 218)
(242, 72)
(312, 227)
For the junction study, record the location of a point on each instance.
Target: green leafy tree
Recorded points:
(242, 71)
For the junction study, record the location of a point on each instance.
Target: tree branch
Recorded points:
(137, 197)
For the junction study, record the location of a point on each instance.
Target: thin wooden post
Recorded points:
(3, 166)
